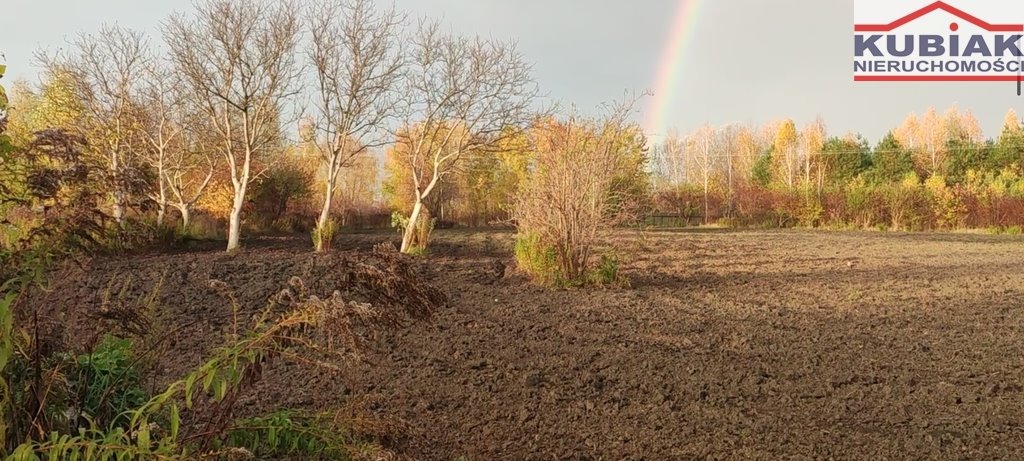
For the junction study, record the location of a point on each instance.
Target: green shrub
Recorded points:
(425, 227)
(607, 272)
(279, 197)
(323, 237)
(537, 260)
(1005, 230)
(294, 435)
(108, 383)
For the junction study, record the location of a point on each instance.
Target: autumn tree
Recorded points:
(476, 179)
(747, 149)
(106, 71)
(357, 188)
(480, 187)
(54, 104)
(786, 154)
(3, 97)
(671, 159)
(962, 126)
(1011, 121)
(464, 94)
(356, 56)
(812, 140)
(577, 191)
(20, 123)
(400, 187)
(933, 136)
(909, 132)
(964, 149)
(515, 154)
(238, 58)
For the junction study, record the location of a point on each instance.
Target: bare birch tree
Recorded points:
(355, 52)
(673, 153)
(933, 137)
(463, 94)
(811, 141)
(178, 144)
(702, 146)
(189, 171)
(162, 127)
(238, 58)
(729, 148)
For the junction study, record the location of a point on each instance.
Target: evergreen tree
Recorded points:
(844, 159)
(891, 161)
(761, 174)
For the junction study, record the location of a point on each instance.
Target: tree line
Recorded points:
(205, 108)
(934, 171)
(395, 114)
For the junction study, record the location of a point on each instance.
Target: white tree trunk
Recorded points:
(410, 229)
(235, 219)
(325, 214)
(706, 207)
(118, 198)
(118, 209)
(186, 216)
(161, 211)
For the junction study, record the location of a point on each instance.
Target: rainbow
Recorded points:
(670, 66)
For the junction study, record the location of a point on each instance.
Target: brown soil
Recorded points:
(764, 345)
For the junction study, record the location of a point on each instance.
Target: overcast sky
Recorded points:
(747, 61)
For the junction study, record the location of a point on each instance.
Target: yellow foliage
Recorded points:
(475, 190)
(911, 180)
(217, 200)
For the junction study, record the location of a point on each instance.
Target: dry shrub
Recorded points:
(836, 209)
(769, 207)
(752, 204)
(133, 316)
(586, 179)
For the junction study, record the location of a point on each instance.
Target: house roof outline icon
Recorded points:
(935, 7)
